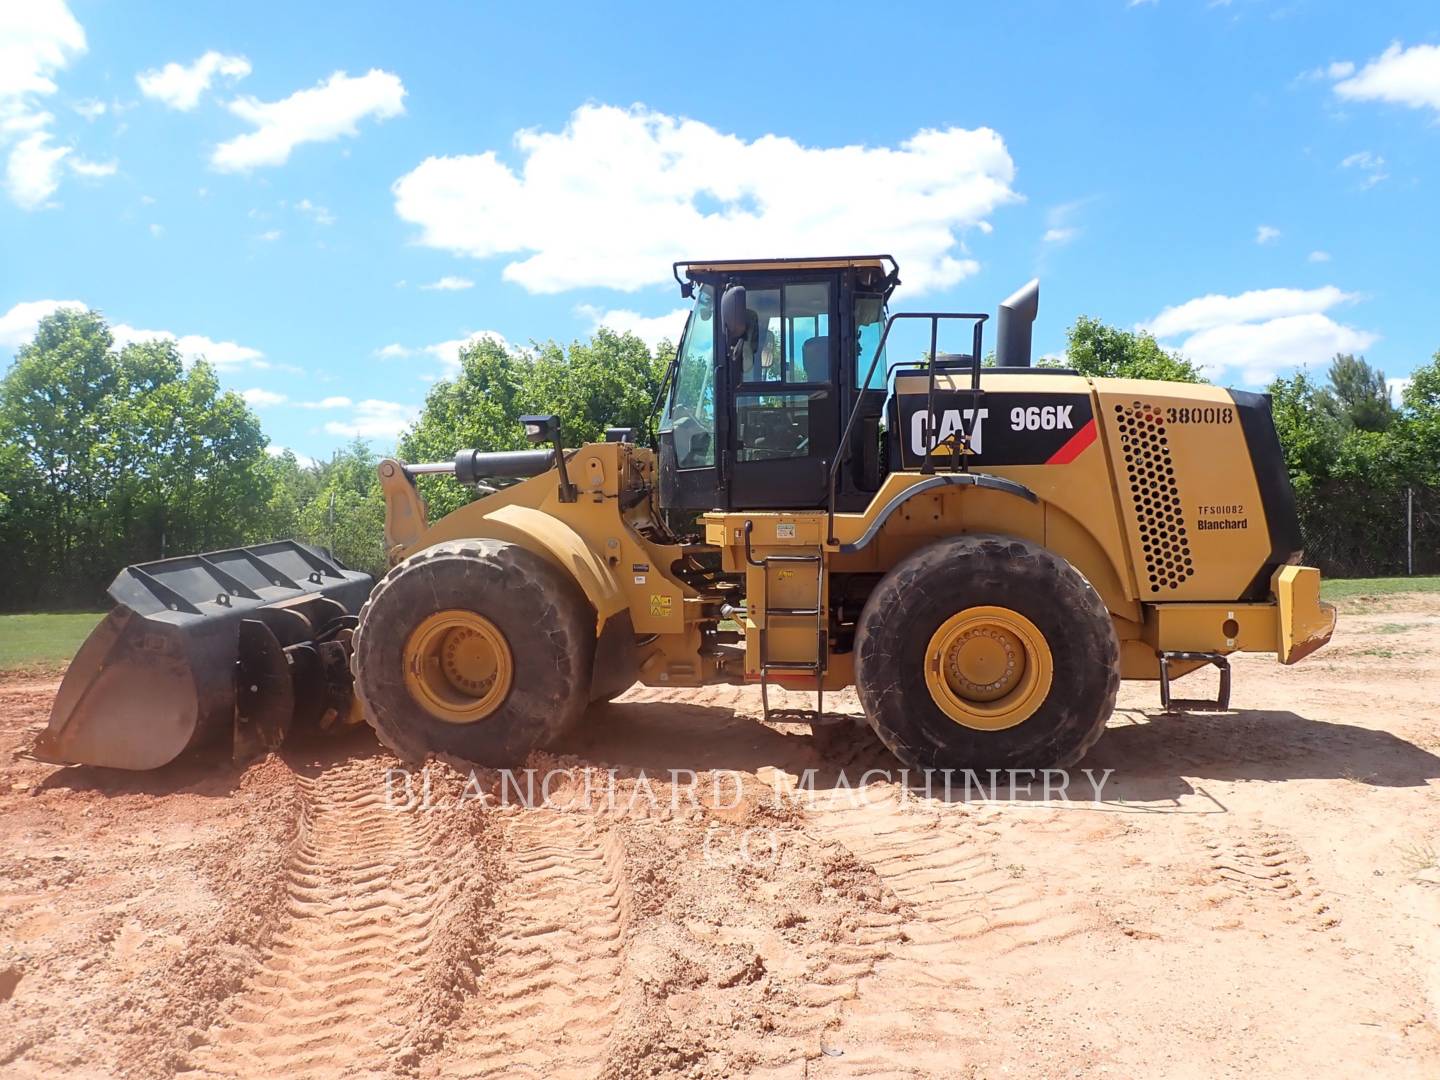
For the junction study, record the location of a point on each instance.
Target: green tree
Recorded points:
(1357, 396)
(1309, 435)
(1421, 416)
(609, 381)
(346, 511)
(1101, 351)
(115, 457)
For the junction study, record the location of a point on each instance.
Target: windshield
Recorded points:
(690, 412)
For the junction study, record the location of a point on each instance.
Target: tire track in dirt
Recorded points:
(361, 898)
(1263, 869)
(549, 997)
(902, 997)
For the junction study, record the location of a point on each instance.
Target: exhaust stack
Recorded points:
(1017, 318)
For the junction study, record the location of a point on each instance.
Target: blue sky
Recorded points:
(289, 189)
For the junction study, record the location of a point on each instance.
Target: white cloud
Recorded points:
(374, 419)
(179, 87)
(1373, 165)
(300, 459)
(1266, 234)
(448, 352)
(1363, 160)
(319, 114)
(157, 230)
(319, 214)
(1319, 256)
(193, 347)
(1258, 334)
(337, 402)
(618, 194)
(393, 351)
(33, 172)
(1260, 351)
(269, 236)
(260, 398)
(1217, 310)
(651, 330)
(37, 39)
(1397, 390)
(449, 283)
(1399, 76)
(18, 325)
(1060, 227)
(94, 169)
(90, 108)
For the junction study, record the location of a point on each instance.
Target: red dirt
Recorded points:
(1255, 891)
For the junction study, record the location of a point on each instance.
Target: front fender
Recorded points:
(543, 534)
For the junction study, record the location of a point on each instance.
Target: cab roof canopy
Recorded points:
(888, 277)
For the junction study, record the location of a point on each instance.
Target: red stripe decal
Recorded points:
(1073, 445)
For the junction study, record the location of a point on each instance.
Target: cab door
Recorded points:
(785, 411)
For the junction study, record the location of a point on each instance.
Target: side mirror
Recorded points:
(543, 428)
(732, 313)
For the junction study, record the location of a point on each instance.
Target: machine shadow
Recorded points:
(1259, 744)
(207, 771)
(1154, 758)
(194, 772)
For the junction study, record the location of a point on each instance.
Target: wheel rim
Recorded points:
(988, 668)
(458, 666)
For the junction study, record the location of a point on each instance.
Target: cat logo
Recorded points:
(952, 422)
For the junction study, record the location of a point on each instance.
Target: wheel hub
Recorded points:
(458, 666)
(988, 668)
(985, 663)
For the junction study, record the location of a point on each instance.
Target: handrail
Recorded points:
(929, 465)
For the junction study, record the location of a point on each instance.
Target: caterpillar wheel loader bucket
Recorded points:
(245, 642)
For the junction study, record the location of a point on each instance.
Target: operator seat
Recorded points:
(815, 359)
(815, 368)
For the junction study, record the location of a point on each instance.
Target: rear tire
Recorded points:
(1027, 602)
(531, 614)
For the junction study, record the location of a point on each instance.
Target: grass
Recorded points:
(46, 642)
(1344, 588)
(1384, 653)
(1419, 857)
(43, 642)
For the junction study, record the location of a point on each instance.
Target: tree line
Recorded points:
(113, 456)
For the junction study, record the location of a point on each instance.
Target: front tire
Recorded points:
(986, 652)
(476, 648)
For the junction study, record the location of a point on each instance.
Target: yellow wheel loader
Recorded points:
(983, 551)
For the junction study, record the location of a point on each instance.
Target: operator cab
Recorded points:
(767, 372)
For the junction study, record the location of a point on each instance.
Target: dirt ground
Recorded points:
(1256, 891)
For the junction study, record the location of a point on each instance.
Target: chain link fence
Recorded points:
(1355, 532)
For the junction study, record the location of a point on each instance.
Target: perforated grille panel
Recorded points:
(1168, 561)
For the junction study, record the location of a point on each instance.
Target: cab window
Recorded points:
(869, 326)
(690, 413)
(788, 340)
